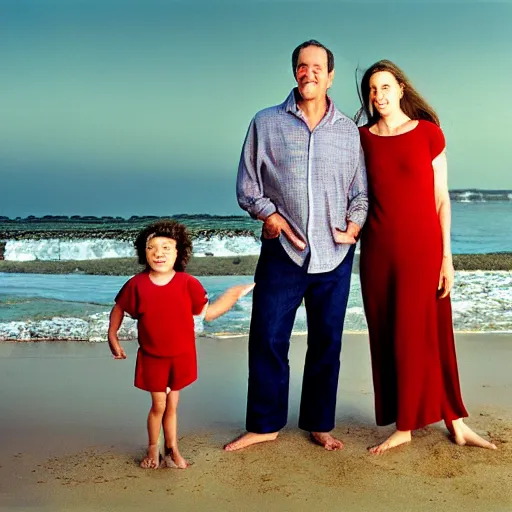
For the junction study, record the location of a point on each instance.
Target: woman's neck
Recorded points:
(392, 124)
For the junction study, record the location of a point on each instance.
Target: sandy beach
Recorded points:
(73, 430)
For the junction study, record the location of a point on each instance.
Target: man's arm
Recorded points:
(250, 195)
(249, 183)
(357, 205)
(358, 197)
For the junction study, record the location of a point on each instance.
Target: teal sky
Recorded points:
(141, 107)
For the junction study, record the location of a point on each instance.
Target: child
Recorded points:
(163, 298)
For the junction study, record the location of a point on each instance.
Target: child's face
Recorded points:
(161, 254)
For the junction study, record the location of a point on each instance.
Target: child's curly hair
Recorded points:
(170, 229)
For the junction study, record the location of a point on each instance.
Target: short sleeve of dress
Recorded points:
(127, 298)
(437, 140)
(198, 295)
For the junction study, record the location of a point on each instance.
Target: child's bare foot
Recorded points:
(248, 439)
(327, 441)
(463, 435)
(152, 459)
(173, 459)
(395, 439)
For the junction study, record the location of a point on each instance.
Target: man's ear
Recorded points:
(331, 78)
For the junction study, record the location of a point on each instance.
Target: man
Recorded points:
(302, 173)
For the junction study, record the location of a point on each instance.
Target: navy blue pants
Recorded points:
(281, 285)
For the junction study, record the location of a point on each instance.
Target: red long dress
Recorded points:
(414, 366)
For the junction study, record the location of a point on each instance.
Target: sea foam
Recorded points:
(91, 249)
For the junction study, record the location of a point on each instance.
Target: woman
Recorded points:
(406, 262)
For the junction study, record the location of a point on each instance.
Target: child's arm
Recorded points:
(116, 319)
(226, 301)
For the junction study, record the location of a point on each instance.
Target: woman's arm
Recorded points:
(442, 197)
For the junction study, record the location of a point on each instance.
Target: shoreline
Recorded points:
(217, 265)
(234, 335)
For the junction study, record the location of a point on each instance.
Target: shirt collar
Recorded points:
(290, 105)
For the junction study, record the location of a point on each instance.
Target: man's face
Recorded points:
(313, 78)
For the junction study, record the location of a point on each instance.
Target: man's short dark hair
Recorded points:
(168, 229)
(306, 44)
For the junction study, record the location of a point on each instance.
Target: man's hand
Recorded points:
(349, 236)
(446, 277)
(275, 224)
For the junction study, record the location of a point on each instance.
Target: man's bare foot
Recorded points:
(395, 439)
(248, 439)
(327, 441)
(152, 459)
(463, 435)
(173, 459)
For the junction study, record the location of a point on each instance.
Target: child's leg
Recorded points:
(172, 455)
(156, 413)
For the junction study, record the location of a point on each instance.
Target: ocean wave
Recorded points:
(480, 196)
(55, 249)
(92, 329)
(481, 301)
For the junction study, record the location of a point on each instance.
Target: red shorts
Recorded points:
(158, 373)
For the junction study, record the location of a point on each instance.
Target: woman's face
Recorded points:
(385, 93)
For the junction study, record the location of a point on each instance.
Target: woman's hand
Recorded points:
(446, 276)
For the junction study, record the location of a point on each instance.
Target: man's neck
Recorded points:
(313, 110)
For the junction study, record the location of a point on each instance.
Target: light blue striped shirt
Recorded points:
(315, 179)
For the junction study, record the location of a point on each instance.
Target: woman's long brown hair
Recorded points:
(412, 103)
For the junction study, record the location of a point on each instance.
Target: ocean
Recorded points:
(36, 307)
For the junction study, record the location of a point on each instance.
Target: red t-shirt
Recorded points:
(164, 313)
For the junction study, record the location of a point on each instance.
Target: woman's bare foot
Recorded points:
(152, 459)
(173, 459)
(248, 439)
(395, 439)
(327, 441)
(463, 435)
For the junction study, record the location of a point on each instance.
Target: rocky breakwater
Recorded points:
(122, 234)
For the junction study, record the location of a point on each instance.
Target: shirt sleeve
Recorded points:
(127, 299)
(437, 141)
(198, 295)
(249, 183)
(358, 193)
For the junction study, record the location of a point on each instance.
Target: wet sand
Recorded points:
(72, 430)
(216, 265)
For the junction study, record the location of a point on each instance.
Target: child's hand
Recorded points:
(243, 289)
(119, 354)
(116, 349)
